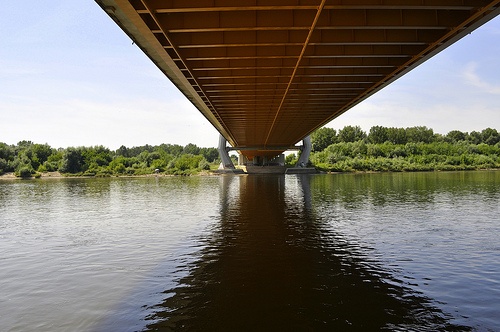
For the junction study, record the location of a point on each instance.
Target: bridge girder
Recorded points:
(268, 73)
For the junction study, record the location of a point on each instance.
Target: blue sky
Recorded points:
(70, 77)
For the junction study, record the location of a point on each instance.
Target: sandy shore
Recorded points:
(57, 175)
(11, 176)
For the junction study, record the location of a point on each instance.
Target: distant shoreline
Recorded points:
(58, 175)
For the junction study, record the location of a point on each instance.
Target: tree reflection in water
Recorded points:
(271, 263)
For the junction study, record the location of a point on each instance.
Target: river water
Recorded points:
(344, 252)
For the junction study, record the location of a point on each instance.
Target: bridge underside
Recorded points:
(268, 73)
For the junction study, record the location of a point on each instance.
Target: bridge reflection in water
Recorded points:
(271, 263)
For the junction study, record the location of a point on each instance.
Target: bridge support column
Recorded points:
(305, 152)
(225, 160)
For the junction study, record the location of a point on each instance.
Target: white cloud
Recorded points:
(471, 76)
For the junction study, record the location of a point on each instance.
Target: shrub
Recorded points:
(24, 172)
(291, 159)
(187, 161)
(204, 165)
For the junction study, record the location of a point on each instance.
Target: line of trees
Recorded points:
(349, 149)
(27, 158)
(404, 149)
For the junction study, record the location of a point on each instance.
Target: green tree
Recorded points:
(191, 149)
(137, 150)
(147, 157)
(322, 138)
(72, 161)
(351, 134)
(210, 154)
(54, 161)
(419, 134)
(7, 152)
(96, 155)
(475, 137)
(7, 156)
(119, 164)
(22, 165)
(173, 149)
(4, 166)
(122, 151)
(490, 136)
(42, 152)
(456, 136)
(378, 135)
(396, 135)
(23, 145)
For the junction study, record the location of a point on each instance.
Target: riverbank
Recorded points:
(59, 175)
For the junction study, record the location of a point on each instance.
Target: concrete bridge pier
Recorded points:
(301, 167)
(305, 152)
(264, 164)
(225, 160)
